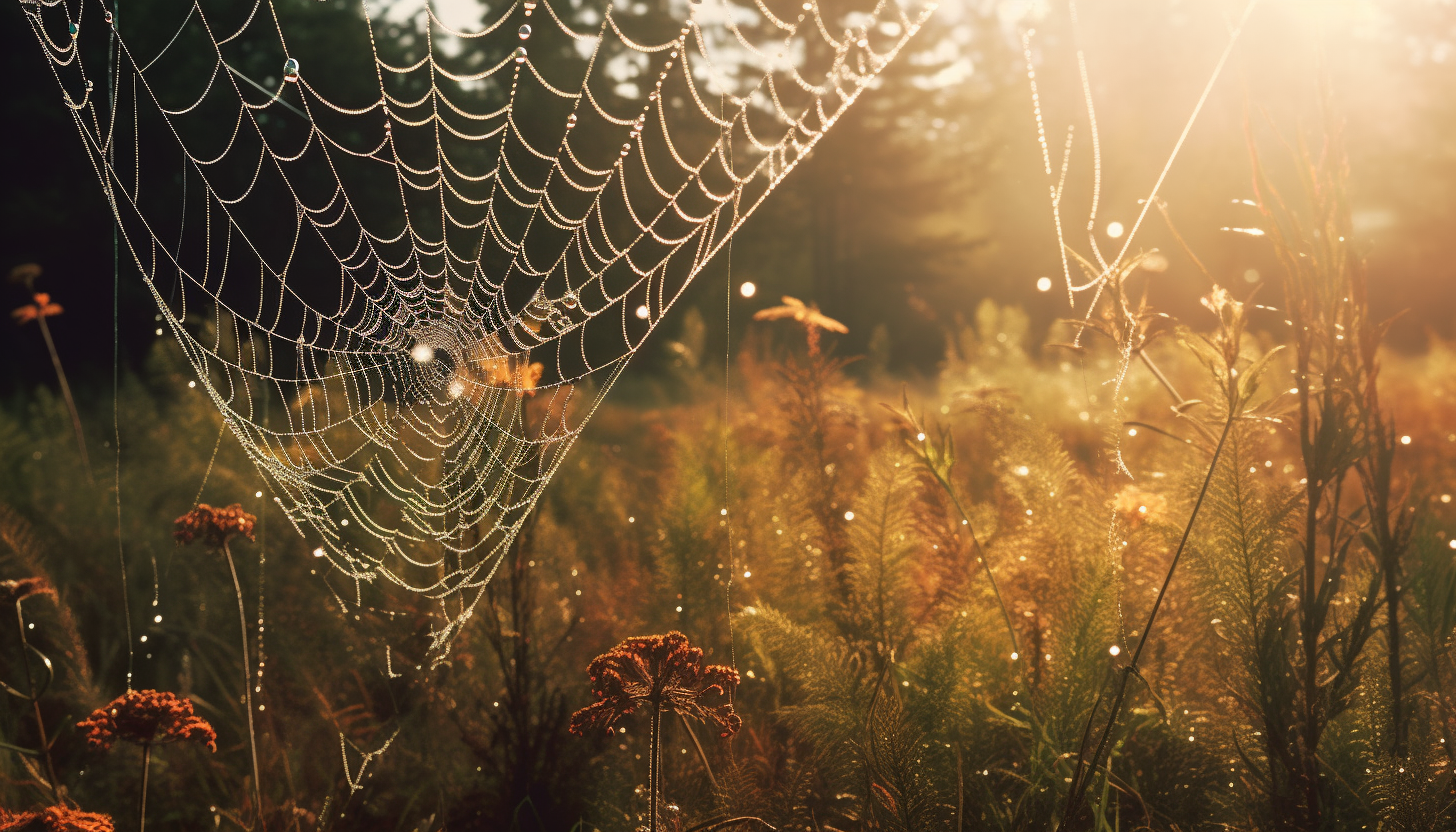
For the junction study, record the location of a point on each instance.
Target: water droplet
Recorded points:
(109, 19)
(626, 148)
(524, 31)
(290, 69)
(530, 4)
(571, 121)
(568, 300)
(520, 54)
(74, 29)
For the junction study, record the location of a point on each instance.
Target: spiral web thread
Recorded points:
(436, 289)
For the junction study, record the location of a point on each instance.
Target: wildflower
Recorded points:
(38, 310)
(20, 589)
(663, 671)
(807, 314)
(147, 717)
(216, 526)
(41, 307)
(1136, 506)
(55, 819)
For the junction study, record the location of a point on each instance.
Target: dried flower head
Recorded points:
(22, 588)
(666, 670)
(215, 526)
(40, 307)
(55, 819)
(147, 717)
(1135, 506)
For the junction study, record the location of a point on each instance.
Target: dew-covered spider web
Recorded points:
(407, 258)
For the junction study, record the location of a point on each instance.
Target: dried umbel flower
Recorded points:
(55, 819)
(665, 671)
(22, 588)
(147, 717)
(214, 526)
(1135, 506)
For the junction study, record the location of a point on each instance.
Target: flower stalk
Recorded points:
(664, 674)
(216, 527)
(40, 308)
(146, 718)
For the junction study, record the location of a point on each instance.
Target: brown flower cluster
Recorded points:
(146, 717)
(55, 819)
(666, 670)
(19, 590)
(214, 526)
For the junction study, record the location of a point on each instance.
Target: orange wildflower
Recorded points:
(807, 314)
(147, 717)
(663, 670)
(55, 819)
(215, 526)
(40, 308)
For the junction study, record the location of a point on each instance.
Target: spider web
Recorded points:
(407, 304)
